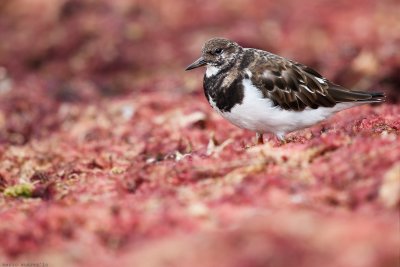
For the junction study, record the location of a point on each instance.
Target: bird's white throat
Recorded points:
(211, 71)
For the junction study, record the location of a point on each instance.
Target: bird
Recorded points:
(266, 93)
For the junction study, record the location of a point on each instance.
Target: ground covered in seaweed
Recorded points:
(111, 156)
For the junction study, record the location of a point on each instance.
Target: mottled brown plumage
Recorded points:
(294, 86)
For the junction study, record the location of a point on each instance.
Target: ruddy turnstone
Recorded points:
(266, 93)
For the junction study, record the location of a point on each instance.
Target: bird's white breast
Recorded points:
(259, 114)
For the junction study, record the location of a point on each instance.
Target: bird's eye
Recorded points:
(217, 51)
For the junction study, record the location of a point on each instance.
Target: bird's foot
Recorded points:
(281, 140)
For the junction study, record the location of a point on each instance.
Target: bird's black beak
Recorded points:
(198, 63)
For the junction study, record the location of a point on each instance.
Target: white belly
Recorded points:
(259, 114)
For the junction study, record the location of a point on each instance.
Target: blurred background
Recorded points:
(80, 51)
(126, 45)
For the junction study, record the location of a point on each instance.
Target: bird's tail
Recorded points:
(341, 94)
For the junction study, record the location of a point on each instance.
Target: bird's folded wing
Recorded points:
(294, 86)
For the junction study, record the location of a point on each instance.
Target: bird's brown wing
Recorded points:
(294, 86)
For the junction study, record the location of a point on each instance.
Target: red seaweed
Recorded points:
(111, 156)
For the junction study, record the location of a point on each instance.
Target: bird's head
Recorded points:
(218, 53)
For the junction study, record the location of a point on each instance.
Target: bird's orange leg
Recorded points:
(259, 139)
